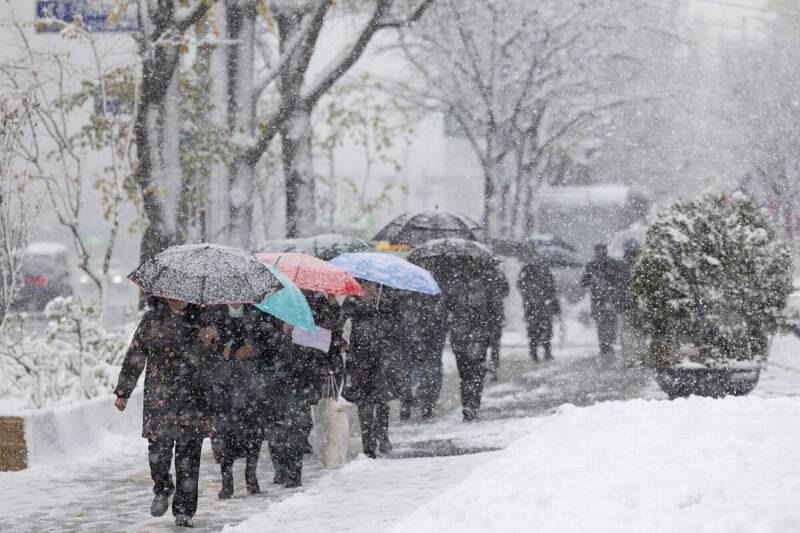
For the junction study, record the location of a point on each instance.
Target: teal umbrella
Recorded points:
(288, 304)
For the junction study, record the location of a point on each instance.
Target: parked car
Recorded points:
(555, 251)
(45, 275)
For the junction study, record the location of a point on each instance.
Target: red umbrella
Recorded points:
(312, 274)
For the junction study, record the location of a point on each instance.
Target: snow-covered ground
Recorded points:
(639, 465)
(565, 446)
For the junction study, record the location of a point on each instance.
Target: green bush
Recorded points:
(710, 282)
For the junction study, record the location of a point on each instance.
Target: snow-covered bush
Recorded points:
(75, 358)
(710, 281)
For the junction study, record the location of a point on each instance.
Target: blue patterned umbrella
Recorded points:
(388, 270)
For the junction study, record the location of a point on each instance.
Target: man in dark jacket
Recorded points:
(497, 291)
(425, 325)
(604, 279)
(540, 304)
(470, 333)
(167, 347)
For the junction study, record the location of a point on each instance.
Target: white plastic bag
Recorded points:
(334, 426)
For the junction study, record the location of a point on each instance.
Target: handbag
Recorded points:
(334, 425)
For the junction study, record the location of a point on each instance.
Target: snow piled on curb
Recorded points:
(93, 428)
(688, 465)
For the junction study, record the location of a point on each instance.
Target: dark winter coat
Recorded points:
(329, 315)
(539, 300)
(471, 304)
(604, 277)
(497, 290)
(377, 365)
(167, 347)
(424, 319)
(237, 393)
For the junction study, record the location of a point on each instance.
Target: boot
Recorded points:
(184, 520)
(470, 415)
(294, 473)
(227, 482)
(250, 477)
(160, 504)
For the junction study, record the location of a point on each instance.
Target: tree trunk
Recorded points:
(296, 156)
(241, 117)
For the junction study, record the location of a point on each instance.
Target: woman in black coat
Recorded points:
(377, 369)
(236, 395)
(168, 348)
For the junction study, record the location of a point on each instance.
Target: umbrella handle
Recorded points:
(380, 291)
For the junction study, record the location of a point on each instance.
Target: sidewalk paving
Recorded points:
(113, 493)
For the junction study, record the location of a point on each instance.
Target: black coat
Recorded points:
(167, 347)
(237, 396)
(377, 365)
(539, 299)
(424, 319)
(605, 278)
(472, 305)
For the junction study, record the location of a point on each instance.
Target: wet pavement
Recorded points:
(115, 494)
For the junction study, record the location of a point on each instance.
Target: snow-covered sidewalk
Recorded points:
(107, 488)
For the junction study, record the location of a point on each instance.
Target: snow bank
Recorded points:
(91, 428)
(688, 465)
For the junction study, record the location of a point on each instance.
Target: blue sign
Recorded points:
(94, 14)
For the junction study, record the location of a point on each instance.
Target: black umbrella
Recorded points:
(417, 228)
(457, 264)
(206, 274)
(552, 255)
(325, 246)
(452, 247)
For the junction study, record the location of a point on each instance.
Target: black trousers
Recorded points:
(287, 443)
(373, 417)
(471, 371)
(187, 471)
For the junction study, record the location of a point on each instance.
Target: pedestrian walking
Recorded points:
(540, 304)
(497, 290)
(470, 332)
(236, 392)
(293, 386)
(376, 368)
(424, 318)
(603, 277)
(299, 374)
(167, 347)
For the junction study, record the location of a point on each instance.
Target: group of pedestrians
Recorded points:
(232, 374)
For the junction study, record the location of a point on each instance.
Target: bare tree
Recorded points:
(289, 93)
(764, 110)
(527, 83)
(60, 144)
(18, 209)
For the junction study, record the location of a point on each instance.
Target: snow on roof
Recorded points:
(605, 194)
(45, 248)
